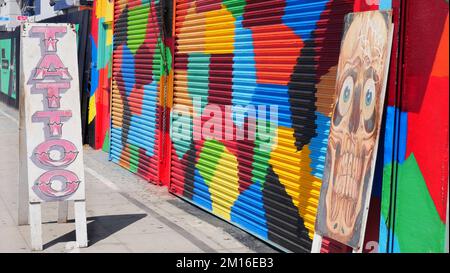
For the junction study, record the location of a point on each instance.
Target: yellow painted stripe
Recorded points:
(92, 109)
(294, 172)
(224, 187)
(219, 23)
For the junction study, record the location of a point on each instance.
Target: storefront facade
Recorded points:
(173, 64)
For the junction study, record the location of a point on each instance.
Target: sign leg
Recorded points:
(23, 202)
(63, 211)
(317, 243)
(36, 226)
(80, 223)
(23, 172)
(359, 250)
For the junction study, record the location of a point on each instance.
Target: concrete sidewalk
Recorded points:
(125, 213)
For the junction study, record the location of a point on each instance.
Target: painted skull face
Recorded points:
(355, 122)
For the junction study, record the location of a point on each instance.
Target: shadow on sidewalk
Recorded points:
(99, 228)
(239, 234)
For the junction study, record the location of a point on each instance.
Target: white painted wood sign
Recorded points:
(51, 104)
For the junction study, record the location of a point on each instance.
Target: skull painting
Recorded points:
(354, 132)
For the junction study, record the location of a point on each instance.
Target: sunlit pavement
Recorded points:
(125, 213)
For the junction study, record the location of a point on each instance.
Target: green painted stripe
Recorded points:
(207, 164)
(418, 226)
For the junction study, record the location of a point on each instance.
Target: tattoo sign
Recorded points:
(355, 127)
(51, 102)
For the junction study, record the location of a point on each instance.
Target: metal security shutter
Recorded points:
(135, 88)
(277, 52)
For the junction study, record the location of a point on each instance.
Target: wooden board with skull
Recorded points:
(355, 126)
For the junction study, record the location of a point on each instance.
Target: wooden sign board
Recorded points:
(51, 151)
(355, 127)
(49, 74)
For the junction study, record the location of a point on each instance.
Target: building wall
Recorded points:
(65, 4)
(9, 10)
(420, 109)
(139, 74)
(415, 174)
(42, 10)
(101, 45)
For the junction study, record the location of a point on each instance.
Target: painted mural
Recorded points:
(415, 175)
(353, 142)
(101, 46)
(139, 69)
(234, 53)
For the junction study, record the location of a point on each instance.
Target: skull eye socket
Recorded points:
(345, 96)
(368, 104)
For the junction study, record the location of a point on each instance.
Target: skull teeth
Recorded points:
(344, 196)
(335, 208)
(347, 179)
(349, 183)
(349, 213)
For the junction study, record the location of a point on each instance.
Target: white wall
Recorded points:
(46, 11)
(9, 10)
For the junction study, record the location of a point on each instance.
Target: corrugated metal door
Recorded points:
(135, 88)
(414, 201)
(251, 53)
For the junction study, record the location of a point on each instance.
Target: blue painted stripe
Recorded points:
(385, 4)
(305, 24)
(389, 135)
(128, 72)
(319, 144)
(202, 196)
(248, 211)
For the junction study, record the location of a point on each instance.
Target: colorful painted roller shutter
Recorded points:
(414, 199)
(135, 88)
(251, 53)
(99, 96)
